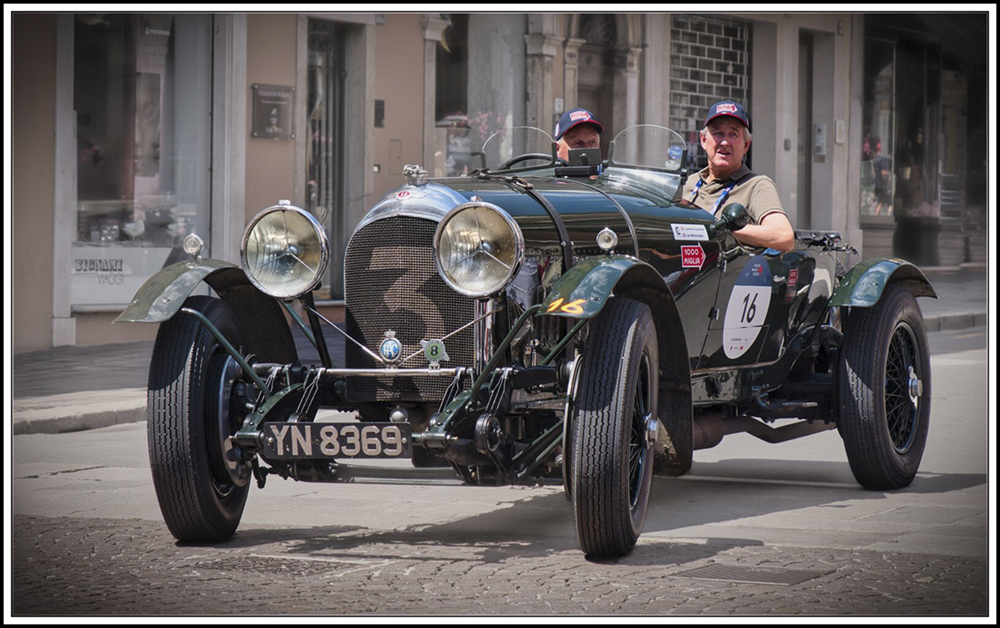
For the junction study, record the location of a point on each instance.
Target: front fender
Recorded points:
(585, 289)
(266, 333)
(864, 284)
(164, 293)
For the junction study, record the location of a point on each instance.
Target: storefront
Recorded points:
(923, 148)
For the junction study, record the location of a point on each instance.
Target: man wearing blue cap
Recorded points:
(726, 139)
(577, 129)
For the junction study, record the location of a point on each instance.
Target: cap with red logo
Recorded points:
(728, 108)
(573, 118)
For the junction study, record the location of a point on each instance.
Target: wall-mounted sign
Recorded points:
(272, 111)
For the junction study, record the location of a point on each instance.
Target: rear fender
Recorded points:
(266, 333)
(865, 283)
(584, 291)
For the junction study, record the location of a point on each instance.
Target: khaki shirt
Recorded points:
(756, 192)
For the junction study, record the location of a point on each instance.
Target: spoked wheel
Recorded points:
(614, 429)
(884, 389)
(200, 484)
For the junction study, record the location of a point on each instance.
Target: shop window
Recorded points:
(325, 145)
(902, 114)
(142, 99)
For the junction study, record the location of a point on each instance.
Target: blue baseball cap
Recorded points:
(728, 108)
(574, 117)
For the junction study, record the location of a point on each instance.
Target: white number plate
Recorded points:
(337, 440)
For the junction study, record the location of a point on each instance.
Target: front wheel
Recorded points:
(613, 430)
(884, 390)
(200, 484)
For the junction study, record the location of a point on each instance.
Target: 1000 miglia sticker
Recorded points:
(747, 308)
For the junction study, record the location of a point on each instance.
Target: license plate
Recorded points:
(337, 440)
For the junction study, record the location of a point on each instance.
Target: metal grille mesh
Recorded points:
(392, 284)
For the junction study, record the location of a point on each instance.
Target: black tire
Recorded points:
(884, 390)
(612, 462)
(200, 487)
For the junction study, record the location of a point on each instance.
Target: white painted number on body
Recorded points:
(747, 308)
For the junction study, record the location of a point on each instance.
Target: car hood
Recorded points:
(636, 209)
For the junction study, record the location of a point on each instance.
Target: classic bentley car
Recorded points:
(535, 321)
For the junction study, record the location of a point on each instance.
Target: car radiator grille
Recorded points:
(391, 283)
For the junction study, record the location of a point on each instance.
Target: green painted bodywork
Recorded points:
(164, 293)
(590, 282)
(864, 284)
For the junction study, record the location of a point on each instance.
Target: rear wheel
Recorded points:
(200, 485)
(613, 428)
(884, 390)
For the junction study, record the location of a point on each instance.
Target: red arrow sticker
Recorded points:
(692, 256)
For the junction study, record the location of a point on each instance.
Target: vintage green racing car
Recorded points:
(535, 321)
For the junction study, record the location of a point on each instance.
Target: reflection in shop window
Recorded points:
(877, 181)
(142, 98)
(452, 140)
(902, 122)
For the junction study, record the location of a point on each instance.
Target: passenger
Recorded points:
(577, 129)
(726, 139)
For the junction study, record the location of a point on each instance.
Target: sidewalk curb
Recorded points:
(73, 412)
(951, 322)
(61, 421)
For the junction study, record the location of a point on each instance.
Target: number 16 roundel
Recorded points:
(747, 308)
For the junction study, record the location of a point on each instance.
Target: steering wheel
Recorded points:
(528, 157)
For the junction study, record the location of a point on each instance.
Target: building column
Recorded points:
(497, 63)
(626, 88)
(64, 226)
(852, 231)
(571, 72)
(655, 108)
(433, 27)
(541, 51)
(229, 136)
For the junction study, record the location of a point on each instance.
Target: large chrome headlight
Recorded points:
(478, 249)
(284, 251)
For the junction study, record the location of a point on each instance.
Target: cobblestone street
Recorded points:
(83, 567)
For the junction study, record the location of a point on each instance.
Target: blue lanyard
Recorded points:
(722, 197)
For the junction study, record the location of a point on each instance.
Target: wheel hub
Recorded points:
(228, 467)
(652, 428)
(914, 386)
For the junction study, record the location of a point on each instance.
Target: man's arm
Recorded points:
(774, 231)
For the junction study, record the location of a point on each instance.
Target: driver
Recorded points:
(577, 129)
(726, 139)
